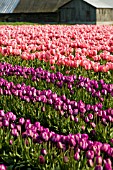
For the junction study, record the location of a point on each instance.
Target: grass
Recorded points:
(18, 23)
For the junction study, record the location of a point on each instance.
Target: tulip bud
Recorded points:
(93, 132)
(99, 160)
(105, 147)
(83, 127)
(43, 109)
(72, 142)
(75, 112)
(88, 107)
(1, 91)
(90, 154)
(76, 156)
(60, 145)
(14, 132)
(93, 125)
(61, 112)
(2, 114)
(21, 121)
(52, 67)
(108, 160)
(67, 71)
(12, 125)
(1, 124)
(111, 140)
(18, 127)
(76, 119)
(101, 99)
(107, 166)
(11, 142)
(65, 159)
(2, 167)
(90, 116)
(101, 81)
(5, 123)
(86, 119)
(98, 167)
(13, 117)
(41, 159)
(43, 152)
(104, 121)
(26, 142)
(71, 117)
(90, 162)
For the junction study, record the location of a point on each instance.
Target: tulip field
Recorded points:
(56, 97)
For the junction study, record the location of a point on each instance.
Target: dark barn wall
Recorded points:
(104, 15)
(77, 11)
(30, 17)
(74, 12)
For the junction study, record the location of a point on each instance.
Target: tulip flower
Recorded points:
(2, 167)
(41, 159)
(76, 156)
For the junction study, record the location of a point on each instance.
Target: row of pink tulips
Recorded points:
(63, 45)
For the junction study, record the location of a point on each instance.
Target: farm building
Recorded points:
(58, 11)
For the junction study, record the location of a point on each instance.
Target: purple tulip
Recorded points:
(14, 132)
(13, 118)
(104, 92)
(18, 128)
(76, 120)
(60, 145)
(86, 119)
(111, 140)
(71, 117)
(101, 81)
(83, 144)
(45, 136)
(43, 152)
(2, 114)
(30, 133)
(83, 128)
(12, 125)
(43, 109)
(84, 136)
(72, 142)
(107, 166)
(104, 121)
(93, 132)
(76, 149)
(21, 121)
(1, 124)
(2, 167)
(37, 124)
(75, 111)
(90, 154)
(90, 162)
(93, 125)
(5, 123)
(99, 160)
(65, 159)
(76, 156)
(11, 142)
(41, 159)
(98, 167)
(101, 99)
(90, 116)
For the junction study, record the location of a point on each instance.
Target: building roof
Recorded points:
(28, 6)
(8, 6)
(32, 6)
(100, 3)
